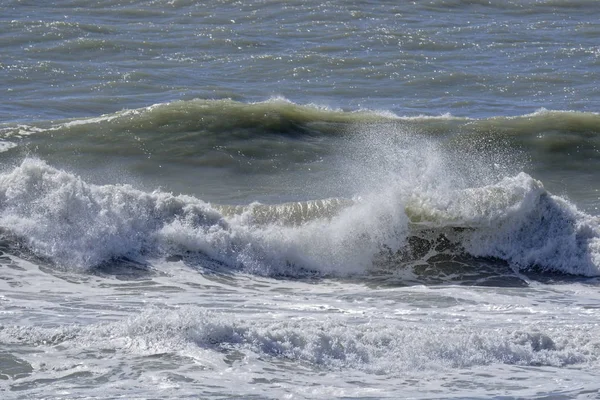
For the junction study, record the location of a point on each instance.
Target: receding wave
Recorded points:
(57, 215)
(395, 347)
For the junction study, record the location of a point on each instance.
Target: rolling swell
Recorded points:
(210, 123)
(76, 225)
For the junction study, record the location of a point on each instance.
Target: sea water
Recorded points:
(305, 200)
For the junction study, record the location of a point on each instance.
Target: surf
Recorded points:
(78, 225)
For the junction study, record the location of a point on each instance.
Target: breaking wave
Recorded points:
(59, 216)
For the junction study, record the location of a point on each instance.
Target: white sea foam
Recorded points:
(390, 348)
(518, 221)
(5, 145)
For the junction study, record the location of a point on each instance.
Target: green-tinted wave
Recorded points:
(222, 133)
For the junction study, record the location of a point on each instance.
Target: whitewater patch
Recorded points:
(6, 145)
(518, 221)
(78, 225)
(390, 348)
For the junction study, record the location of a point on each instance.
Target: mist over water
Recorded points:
(299, 200)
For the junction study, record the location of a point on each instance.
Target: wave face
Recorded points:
(287, 148)
(279, 117)
(197, 131)
(59, 216)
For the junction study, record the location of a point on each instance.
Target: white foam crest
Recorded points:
(381, 113)
(334, 343)
(515, 220)
(542, 111)
(276, 99)
(21, 130)
(387, 114)
(108, 117)
(343, 244)
(552, 235)
(475, 207)
(480, 206)
(77, 224)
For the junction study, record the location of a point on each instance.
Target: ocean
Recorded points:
(299, 200)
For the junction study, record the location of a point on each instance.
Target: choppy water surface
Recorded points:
(469, 58)
(299, 200)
